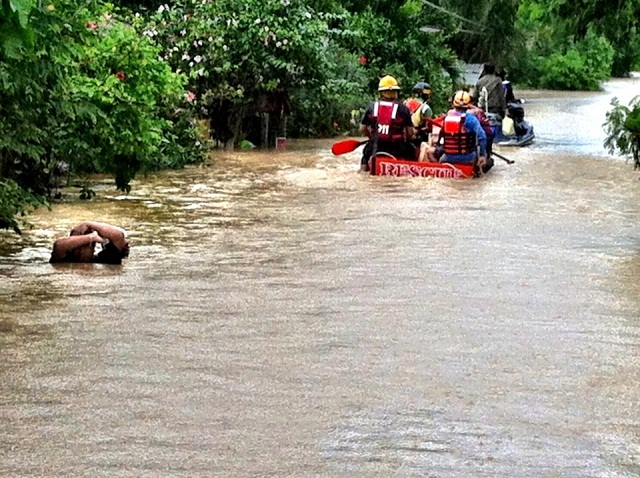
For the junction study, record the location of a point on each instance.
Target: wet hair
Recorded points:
(110, 254)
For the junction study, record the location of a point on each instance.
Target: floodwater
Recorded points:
(282, 315)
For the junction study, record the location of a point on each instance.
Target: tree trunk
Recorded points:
(264, 130)
(235, 131)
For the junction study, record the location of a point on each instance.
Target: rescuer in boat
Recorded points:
(80, 245)
(419, 102)
(462, 139)
(388, 125)
(486, 126)
(421, 111)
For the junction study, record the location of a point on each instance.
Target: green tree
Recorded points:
(622, 127)
(87, 94)
(15, 202)
(484, 32)
(15, 35)
(127, 103)
(617, 20)
(582, 66)
(577, 44)
(242, 58)
(15, 32)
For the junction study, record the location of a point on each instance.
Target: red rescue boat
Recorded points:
(387, 165)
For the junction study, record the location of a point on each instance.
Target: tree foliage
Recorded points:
(484, 33)
(242, 58)
(127, 103)
(86, 95)
(576, 45)
(15, 32)
(15, 202)
(616, 20)
(622, 127)
(583, 66)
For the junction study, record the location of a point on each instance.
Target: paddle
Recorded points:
(346, 146)
(436, 121)
(506, 160)
(374, 147)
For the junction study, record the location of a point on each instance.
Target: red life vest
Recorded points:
(390, 127)
(457, 140)
(413, 104)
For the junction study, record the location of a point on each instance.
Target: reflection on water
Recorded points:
(282, 315)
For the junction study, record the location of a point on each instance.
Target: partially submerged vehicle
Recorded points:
(520, 131)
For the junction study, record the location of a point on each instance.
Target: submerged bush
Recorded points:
(15, 202)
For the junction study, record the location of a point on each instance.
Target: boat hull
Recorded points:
(518, 140)
(524, 130)
(389, 166)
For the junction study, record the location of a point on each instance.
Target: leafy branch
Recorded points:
(622, 127)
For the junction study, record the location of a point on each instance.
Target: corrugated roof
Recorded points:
(471, 73)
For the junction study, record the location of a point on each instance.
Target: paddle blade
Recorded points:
(346, 146)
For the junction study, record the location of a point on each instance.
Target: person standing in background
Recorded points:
(490, 93)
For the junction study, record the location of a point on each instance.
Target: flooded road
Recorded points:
(282, 315)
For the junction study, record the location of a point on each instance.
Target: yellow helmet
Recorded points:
(388, 83)
(461, 99)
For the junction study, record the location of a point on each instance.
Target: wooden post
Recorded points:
(265, 130)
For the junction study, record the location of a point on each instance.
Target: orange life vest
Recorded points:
(457, 140)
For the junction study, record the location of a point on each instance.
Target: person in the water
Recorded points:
(80, 245)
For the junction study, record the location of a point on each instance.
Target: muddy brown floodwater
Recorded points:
(281, 315)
